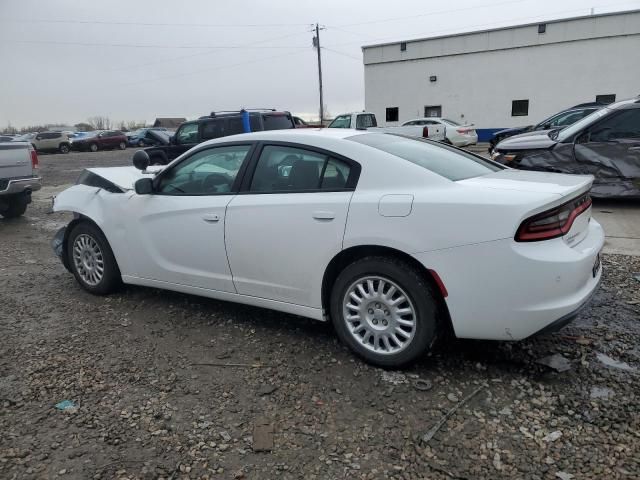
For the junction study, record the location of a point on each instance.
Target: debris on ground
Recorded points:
(601, 392)
(394, 378)
(263, 431)
(267, 389)
(429, 435)
(553, 436)
(557, 362)
(422, 384)
(66, 406)
(610, 362)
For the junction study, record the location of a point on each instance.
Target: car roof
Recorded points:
(628, 103)
(295, 135)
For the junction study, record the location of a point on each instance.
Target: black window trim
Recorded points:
(604, 118)
(183, 125)
(236, 182)
(352, 181)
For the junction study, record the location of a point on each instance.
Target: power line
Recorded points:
(342, 53)
(437, 12)
(150, 24)
(134, 45)
(217, 67)
(191, 55)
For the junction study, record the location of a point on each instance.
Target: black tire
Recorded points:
(64, 148)
(16, 207)
(111, 278)
(418, 291)
(141, 143)
(122, 145)
(93, 147)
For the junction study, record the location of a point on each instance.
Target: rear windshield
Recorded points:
(277, 122)
(446, 120)
(445, 161)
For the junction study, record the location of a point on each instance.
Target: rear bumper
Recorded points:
(505, 290)
(20, 185)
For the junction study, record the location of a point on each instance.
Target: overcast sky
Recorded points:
(67, 60)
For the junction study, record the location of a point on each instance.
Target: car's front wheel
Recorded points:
(92, 260)
(141, 143)
(64, 148)
(93, 147)
(122, 145)
(385, 311)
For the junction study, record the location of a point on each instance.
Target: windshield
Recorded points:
(571, 130)
(445, 161)
(446, 120)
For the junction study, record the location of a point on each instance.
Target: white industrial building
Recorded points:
(505, 77)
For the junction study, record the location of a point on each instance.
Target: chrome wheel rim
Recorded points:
(88, 259)
(379, 315)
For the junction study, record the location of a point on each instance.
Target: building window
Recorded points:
(403, 47)
(392, 114)
(542, 28)
(520, 108)
(433, 111)
(608, 98)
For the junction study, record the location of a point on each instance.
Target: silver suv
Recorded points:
(51, 142)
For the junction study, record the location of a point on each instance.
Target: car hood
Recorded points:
(527, 181)
(124, 177)
(527, 141)
(512, 131)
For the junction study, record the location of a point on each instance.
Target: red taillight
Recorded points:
(552, 223)
(464, 130)
(425, 132)
(34, 159)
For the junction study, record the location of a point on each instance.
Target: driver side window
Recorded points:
(207, 172)
(187, 134)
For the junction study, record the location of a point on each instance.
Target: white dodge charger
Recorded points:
(393, 239)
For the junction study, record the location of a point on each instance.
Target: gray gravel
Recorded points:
(146, 407)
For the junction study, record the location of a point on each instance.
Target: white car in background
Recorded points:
(395, 240)
(455, 134)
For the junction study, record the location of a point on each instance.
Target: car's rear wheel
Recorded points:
(93, 147)
(122, 145)
(385, 311)
(91, 259)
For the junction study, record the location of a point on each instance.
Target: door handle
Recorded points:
(323, 215)
(211, 217)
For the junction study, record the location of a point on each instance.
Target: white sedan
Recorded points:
(393, 239)
(455, 133)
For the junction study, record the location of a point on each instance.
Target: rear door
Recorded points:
(610, 150)
(288, 221)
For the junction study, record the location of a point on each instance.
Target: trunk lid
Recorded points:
(15, 160)
(555, 190)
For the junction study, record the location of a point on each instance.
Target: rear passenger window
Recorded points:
(234, 126)
(277, 121)
(290, 169)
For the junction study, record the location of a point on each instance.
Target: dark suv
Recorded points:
(216, 125)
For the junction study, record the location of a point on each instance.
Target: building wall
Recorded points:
(478, 82)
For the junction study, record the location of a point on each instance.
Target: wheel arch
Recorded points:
(354, 253)
(79, 218)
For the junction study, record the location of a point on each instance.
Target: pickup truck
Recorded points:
(367, 121)
(18, 177)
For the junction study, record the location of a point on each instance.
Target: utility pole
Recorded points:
(316, 44)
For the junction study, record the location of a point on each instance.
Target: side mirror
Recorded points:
(546, 126)
(144, 186)
(38, 137)
(141, 160)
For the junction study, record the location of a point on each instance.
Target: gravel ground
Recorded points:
(176, 386)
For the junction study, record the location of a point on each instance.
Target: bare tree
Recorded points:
(100, 123)
(83, 127)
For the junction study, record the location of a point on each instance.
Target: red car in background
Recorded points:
(100, 140)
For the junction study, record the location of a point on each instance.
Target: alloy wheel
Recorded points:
(88, 259)
(379, 315)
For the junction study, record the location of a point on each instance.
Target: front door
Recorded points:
(284, 228)
(610, 151)
(185, 138)
(179, 229)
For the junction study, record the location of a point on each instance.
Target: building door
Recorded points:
(433, 111)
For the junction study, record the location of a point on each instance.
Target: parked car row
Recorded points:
(605, 144)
